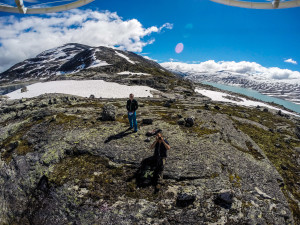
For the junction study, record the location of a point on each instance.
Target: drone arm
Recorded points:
(69, 6)
(21, 6)
(256, 5)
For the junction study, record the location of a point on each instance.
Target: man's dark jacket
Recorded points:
(132, 106)
(160, 150)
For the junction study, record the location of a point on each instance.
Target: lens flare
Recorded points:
(179, 48)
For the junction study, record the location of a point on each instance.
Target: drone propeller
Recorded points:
(275, 4)
(40, 10)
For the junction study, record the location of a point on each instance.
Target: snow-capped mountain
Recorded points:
(72, 58)
(287, 89)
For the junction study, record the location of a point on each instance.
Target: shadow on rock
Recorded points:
(118, 136)
(41, 208)
(148, 173)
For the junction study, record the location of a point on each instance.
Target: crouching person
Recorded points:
(160, 153)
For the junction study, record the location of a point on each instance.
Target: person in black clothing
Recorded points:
(132, 106)
(160, 153)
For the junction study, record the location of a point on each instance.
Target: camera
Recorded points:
(159, 138)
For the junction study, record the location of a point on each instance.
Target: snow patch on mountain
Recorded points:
(96, 62)
(125, 57)
(84, 88)
(132, 73)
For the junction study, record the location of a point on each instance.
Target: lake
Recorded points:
(257, 95)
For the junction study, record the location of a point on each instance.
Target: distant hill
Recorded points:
(284, 89)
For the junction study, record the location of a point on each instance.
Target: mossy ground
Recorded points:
(282, 156)
(102, 180)
(17, 142)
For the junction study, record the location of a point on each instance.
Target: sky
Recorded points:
(203, 29)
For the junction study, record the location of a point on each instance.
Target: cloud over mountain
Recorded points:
(243, 67)
(25, 37)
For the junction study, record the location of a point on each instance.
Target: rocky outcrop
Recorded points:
(60, 163)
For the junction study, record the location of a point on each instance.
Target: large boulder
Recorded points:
(108, 113)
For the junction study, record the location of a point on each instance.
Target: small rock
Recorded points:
(53, 119)
(167, 104)
(189, 122)
(224, 199)
(43, 184)
(108, 113)
(283, 167)
(92, 97)
(277, 145)
(184, 200)
(217, 107)
(181, 121)
(147, 121)
(297, 131)
(12, 146)
(24, 89)
(206, 106)
(266, 110)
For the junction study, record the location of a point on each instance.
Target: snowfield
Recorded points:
(83, 88)
(223, 97)
(133, 73)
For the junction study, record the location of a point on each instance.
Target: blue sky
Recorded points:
(210, 31)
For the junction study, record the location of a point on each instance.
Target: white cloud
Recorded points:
(291, 61)
(22, 38)
(245, 68)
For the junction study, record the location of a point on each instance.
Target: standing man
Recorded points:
(160, 153)
(132, 106)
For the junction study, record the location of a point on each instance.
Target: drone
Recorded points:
(21, 8)
(276, 4)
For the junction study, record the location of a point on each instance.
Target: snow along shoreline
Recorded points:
(223, 97)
